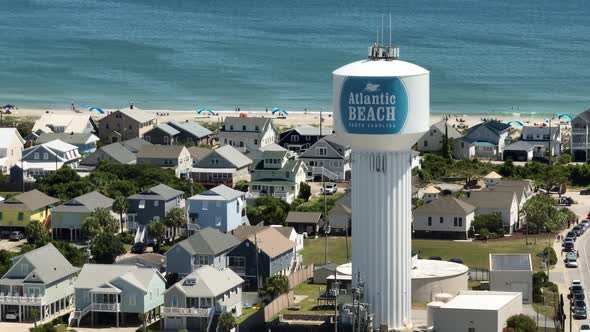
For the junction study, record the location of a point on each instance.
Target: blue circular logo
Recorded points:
(373, 105)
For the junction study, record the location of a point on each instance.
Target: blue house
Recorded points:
(206, 247)
(151, 204)
(262, 253)
(222, 208)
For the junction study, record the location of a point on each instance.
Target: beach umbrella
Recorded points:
(96, 110)
(515, 123)
(202, 110)
(564, 116)
(279, 110)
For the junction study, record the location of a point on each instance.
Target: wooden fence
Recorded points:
(278, 304)
(300, 276)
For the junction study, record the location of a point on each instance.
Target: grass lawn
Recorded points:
(247, 312)
(309, 304)
(548, 308)
(316, 204)
(474, 254)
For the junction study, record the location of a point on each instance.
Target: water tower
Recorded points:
(381, 108)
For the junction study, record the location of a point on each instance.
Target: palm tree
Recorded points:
(227, 321)
(174, 219)
(120, 206)
(157, 230)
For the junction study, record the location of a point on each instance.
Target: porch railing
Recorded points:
(192, 312)
(7, 299)
(110, 307)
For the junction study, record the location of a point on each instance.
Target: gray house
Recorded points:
(110, 293)
(224, 165)
(40, 160)
(41, 279)
(305, 222)
(162, 134)
(432, 140)
(222, 208)
(328, 157)
(191, 133)
(206, 247)
(484, 140)
(175, 157)
(275, 255)
(124, 153)
(195, 301)
(580, 141)
(150, 204)
(67, 219)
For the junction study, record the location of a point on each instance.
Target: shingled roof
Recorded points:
(208, 241)
(30, 201)
(446, 204)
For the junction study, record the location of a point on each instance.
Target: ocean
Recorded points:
(494, 57)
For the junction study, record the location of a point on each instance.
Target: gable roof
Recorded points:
(160, 191)
(208, 241)
(160, 151)
(31, 200)
(491, 199)
(430, 189)
(271, 241)
(191, 128)
(136, 114)
(233, 155)
(307, 130)
(520, 146)
(452, 132)
(96, 275)
(538, 130)
(237, 122)
(520, 191)
(222, 191)
(446, 204)
(72, 122)
(198, 153)
(70, 138)
(116, 151)
(167, 129)
(496, 127)
(493, 175)
(584, 115)
(135, 144)
(69, 151)
(48, 263)
(243, 232)
(209, 282)
(331, 143)
(295, 217)
(85, 203)
(7, 134)
(286, 231)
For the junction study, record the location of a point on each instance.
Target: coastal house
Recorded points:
(249, 131)
(150, 260)
(432, 140)
(225, 165)
(307, 223)
(85, 142)
(31, 206)
(208, 246)
(191, 133)
(11, 148)
(502, 203)
(125, 124)
(430, 193)
(67, 219)
(543, 139)
(484, 140)
(492, 178)
(124, 153)
(300, 138)
(580, 139)
(40, 280)
(77, 123)
(328, 157)
(198, 153)
(196, 301)
(277, 173)
(291, 234)
(174, 157)
(162, 134)
(262, 253)
(340, 216)
(40, 160)
(151, 204)
(123, 291)
(519, 151)
(444, 218)
(222, 208)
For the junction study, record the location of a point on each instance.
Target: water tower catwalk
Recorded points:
(381, 108)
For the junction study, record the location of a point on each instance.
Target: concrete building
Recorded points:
(11, 148)
(485, 140)
(174, 157)
(241, 132)
(542, 138)
(225, 165)
(125, 124)
(444, 218)
(512, 273)
(476, 311)
(432, 141)
(197, 300)
(222, 208)
(40, 279)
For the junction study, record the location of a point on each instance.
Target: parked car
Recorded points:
(569, 247)
(11, 314)
(5, 234)
(570, 255)
(565, 200)
(577, 297)
(585, 191)
(580, 310)
(17, 236)
(456, 260)
(566, 241)
(139, 248)
(576, 282)
(575, 289)
(579, 230)
(571, 234)
(571, 262)
(330, 188)
(585, 328)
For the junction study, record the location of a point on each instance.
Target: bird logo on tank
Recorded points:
(373, 105)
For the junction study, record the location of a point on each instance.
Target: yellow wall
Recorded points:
(28, 216)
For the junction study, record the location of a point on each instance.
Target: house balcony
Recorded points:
(21, 300)
(579, 131)
(580, 145)
(106, 307)
(187, 312)
(239, 270)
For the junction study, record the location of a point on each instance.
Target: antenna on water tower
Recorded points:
(382, 29)
(389, 28)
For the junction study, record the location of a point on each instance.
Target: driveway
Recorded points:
(11, 245)
(15, 327)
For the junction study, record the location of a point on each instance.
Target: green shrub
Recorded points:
(521, 323)
(551, 287)
(164, 249)
(126, 238)
(550, 252)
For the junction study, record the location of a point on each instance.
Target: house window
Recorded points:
(426, 143)
(255, 141)
(455, 222)
(244, 128)
(24, 269)
(147, 138)
(256, 128)
(218, 204)
(45, 155)
(294, 138)
(156, 203)
(0, 215)
(174, 301)
(21, 216)
(441, 220)
(201, 260)
(204, 205)
(237, 261)
(142, 203)
(322, 151)
(231, 127)
(460, 222)
(131, 299)
(36, 156)
(462, 144)
(218, 221)
(429, 221)
(471, 329)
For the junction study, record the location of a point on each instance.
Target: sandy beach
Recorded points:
(293, 119)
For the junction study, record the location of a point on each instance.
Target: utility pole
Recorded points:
(257, 276)
(336, 289)
(550, 154)
(327, 224)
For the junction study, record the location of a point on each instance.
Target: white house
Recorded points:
(512, 273)
(492, 178)
(542, 138)
(243, 132)
(64, 123)
(479, 311)
(444, 218)
(328, 157)
(503, 203)
(432, 140)
(430, 193)
(11, 148)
